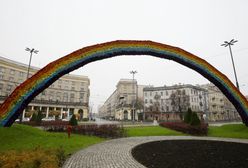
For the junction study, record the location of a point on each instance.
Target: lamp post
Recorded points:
(133, 109)
(225, 44)
(30, 58)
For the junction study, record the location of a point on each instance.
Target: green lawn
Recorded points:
(150, 131)
(229, 131)
(21, 137)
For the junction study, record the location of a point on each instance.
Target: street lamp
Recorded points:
(30, 58)
(226, 43)
(133, 114)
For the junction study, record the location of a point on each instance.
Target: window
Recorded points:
(21, 74)
(11, 79)
(73, 82)
(72, 88)
(2, 70)
(59, 81)
(65, 97)
(9, 87)
(1, 76)
(145, 93)
(58, 98)
(50, 97)
(82, 83)
(72, 95)
(1, 86)
(82, 89)
(81, 95)
(150, 93)
(145, 100)
(150, 100)
(12, 72)
(166, 92)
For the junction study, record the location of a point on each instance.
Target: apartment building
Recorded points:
(68, 95)
(220, 108)
(122, 104)
(169, 102)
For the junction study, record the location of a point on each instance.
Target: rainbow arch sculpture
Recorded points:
(25, 92)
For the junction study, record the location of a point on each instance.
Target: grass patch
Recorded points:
(229, 131)
(22, 137)
(150, 131)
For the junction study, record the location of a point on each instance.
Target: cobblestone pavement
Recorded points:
(116, 153)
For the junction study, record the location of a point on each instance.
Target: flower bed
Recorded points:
(202, 129)
(47, 123)
(106, 131)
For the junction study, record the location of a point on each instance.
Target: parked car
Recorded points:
(26, 119)
(65, 119)
(48, 119)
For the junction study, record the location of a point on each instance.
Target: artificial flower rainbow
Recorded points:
(24, 93)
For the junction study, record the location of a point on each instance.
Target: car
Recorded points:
(26, 119)
(65, 119)
(48, 119)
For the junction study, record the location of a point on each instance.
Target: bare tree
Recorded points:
(179, 101)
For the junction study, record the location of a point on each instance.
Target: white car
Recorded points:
(26, 119)
(48, 119)
(65, 119)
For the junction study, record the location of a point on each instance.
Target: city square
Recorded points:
(118, 101)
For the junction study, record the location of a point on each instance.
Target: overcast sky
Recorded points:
(59, 27)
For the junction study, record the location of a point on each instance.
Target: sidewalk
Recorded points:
(116, 153)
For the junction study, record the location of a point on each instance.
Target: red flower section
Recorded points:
(186, 128)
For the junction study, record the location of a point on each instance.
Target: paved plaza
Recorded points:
(116, 153)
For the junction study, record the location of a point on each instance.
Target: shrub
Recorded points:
(187, 116)
(61, 156)
(47, 124)
(39, 118)
(36, 158)
(85, 119)
(73, 120)
(195, 119)
(34, 117)
(106, 131)
(201, 129)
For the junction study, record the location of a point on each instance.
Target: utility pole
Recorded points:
(134, 97)
(30, 59)
(225, 44)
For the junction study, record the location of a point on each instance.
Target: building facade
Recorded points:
(66, 96)
(168, 103)
(122, 104)
(220, 108)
